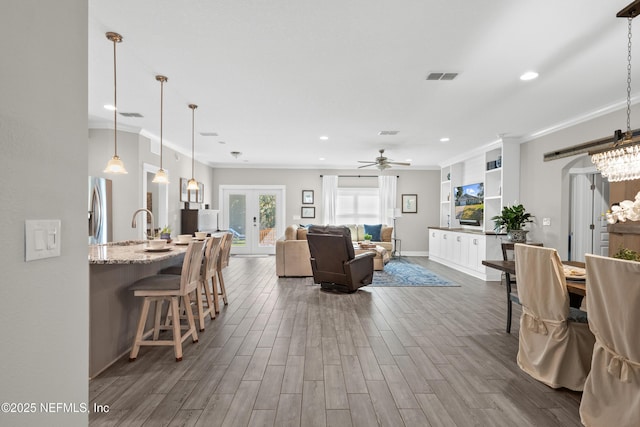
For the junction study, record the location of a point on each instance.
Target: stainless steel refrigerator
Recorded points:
(100, 229)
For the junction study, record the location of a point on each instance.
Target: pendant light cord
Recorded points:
(115, 101)
(629, 134)
(161, 108)
(193, 162)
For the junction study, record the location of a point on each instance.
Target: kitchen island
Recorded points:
(113, 310)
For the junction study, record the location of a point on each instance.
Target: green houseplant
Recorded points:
(368, 237)
(165, 233)
(512, 219)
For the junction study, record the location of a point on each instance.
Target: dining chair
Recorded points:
(611, 395)
(171, 288)
(510, 281)
(554, 342)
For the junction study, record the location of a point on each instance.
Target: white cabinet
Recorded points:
(497, 167)
(465, 251)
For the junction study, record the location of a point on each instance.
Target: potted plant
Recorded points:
(367, 238)
(165, 233)
(513, 218)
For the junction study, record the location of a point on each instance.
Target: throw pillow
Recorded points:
(386, 233)
(374, 230)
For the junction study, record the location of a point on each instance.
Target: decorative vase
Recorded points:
(165, 236)
(517, 236)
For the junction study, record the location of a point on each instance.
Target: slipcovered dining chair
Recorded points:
(172, 288)
(334, 264)
(611, 394)
(510, 281)
(555, 343)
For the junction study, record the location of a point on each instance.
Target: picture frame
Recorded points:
(191, 196)
(409, 203)
(197, 196)
(308, 212)
(307, 197)
(184, 197)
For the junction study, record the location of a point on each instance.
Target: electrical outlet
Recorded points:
(546, 221)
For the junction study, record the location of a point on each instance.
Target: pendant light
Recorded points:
(115, 165)
(161, 176)
(621, 162)
(192, 184)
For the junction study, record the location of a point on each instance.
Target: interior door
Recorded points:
(255, 217)
(589, 201)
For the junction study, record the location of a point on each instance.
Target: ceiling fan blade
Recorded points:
(399, 163)
(367, 161)
(366, 166)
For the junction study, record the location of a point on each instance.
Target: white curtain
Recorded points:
(387, 187)
(329, 198)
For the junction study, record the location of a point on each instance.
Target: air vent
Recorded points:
(131, 114)
(442, 76)
(209, 133)
(388, 132)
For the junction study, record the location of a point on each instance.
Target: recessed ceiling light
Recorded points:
(408, 160)
(109, 107)
(324, 137)
(321, 158)
(445, 139)
(529, 75)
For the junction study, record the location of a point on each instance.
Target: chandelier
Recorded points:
(621, 162)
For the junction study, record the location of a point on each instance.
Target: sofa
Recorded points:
(292, 250)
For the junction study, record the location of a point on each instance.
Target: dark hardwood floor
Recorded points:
(284, 353)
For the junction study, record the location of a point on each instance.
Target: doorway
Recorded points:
(588, 226)
(254, 215)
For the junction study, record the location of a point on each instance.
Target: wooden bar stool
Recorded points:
(171, 288)
(223, 262)
(204, 295)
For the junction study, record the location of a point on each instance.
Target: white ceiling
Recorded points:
(271, 77)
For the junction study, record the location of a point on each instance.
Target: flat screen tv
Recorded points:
(469, 204)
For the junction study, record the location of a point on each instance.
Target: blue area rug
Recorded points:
(402, 272)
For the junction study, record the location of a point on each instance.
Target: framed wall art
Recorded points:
(308, 212)
(409, 203)
(307, 197)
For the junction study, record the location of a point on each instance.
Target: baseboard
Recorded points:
(415, 253)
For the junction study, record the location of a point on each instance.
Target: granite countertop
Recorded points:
(131, 252)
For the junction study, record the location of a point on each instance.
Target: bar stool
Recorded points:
(223, 262)
(171, 288)
(204, 295)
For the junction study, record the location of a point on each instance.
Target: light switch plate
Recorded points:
(42, 238)
(546, 221)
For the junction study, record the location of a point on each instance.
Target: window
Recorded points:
(358, 206)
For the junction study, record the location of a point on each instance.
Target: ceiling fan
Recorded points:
(381, 162)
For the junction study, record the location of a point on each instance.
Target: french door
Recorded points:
(254, 215)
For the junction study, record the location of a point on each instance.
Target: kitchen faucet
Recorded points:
(133, 220)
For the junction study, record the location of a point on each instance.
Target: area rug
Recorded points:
(402, 272)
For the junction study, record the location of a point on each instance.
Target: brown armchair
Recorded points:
(333, 260)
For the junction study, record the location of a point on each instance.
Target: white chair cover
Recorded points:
(612, 391)
(551, 348)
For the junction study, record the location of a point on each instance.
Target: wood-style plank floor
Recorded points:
(284, 353)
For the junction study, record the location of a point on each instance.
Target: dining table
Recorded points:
(575, 285)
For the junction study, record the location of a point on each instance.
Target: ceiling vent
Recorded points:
(388, 132)
(442, 76)
(131, 114)
(209, 133)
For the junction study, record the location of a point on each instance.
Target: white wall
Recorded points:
(412, 228)
(544, 186)
(135, 151)
(43, 131)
